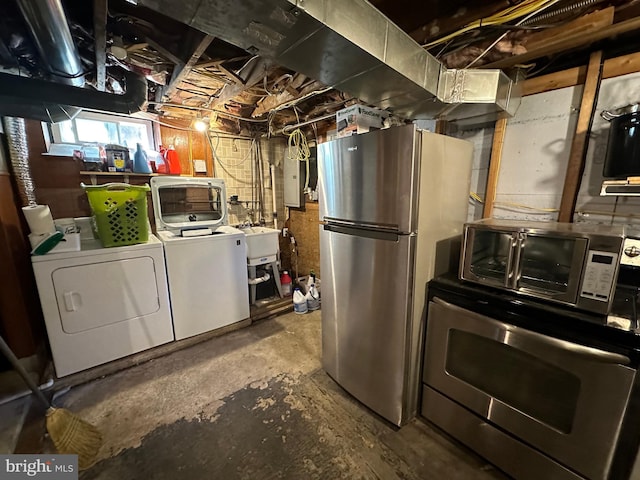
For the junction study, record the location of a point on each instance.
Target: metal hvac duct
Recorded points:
(19, 156)
(52, 37)
(350, 46)
(62, 98)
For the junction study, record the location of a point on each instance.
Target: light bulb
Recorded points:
(200, 125)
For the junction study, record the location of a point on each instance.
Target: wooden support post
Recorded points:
(100, 34)
(575, 167)
(494, 166)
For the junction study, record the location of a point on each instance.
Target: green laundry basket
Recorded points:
(120, 213)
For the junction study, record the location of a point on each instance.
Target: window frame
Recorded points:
(55, 135)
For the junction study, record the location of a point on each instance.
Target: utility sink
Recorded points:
(262, 244)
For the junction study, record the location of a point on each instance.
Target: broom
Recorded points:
(70, 434)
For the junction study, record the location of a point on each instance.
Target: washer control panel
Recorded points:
(599, 275)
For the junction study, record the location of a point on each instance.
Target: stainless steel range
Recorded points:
(542, 390)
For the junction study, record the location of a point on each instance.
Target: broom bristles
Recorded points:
(72, 435)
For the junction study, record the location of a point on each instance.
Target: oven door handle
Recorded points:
(597, 354)
(600, 355)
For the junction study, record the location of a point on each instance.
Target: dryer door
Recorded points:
(98, 294)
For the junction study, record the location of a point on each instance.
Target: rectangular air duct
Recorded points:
(352, 47)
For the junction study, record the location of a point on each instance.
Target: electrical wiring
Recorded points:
(528, 8)
(477, 198)
(210, 110)
(216, 158)
(497, 40)
(299, 150)
(525, 207)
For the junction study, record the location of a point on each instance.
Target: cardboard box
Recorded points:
(359, 119)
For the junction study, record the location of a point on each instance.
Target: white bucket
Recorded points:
(299, 302)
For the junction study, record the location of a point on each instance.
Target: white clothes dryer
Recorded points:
(101, 304)
(205, 258)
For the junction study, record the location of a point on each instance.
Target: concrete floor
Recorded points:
(255, 404)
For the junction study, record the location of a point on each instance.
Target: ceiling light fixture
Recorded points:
(200, 125)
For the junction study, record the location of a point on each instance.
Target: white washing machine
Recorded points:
(206, 259)
(101, 304)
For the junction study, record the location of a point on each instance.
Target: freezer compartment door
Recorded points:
(369, 178)
(366, 293)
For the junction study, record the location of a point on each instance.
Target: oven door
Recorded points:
(566, 400)
(550, 267)
(489, 257)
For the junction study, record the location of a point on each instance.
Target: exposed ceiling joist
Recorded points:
(274, 102)
(182, 70)
(562, 43)
(251, 73)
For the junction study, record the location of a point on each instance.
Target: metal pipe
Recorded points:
(16, 132)
(560, 11)
(50, 31)
(302, 124)
(272, 170)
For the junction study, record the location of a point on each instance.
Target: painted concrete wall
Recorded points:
(234, 164)
(482, 139)
(535, 155)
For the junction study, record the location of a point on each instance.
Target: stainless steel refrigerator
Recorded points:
(386, 199)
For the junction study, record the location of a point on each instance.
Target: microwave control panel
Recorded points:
(599, 275)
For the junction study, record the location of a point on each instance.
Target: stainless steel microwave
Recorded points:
(572, 264)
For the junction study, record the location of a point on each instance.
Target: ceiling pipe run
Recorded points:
(352, 47)
(52, 37)
(63, 98)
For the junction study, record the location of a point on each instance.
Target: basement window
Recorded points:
(103, 129)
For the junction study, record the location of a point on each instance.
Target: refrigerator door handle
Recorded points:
(362, 232)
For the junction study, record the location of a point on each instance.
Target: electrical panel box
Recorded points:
(295, 178)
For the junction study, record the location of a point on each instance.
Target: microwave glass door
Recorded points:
(560, 397)
(488, 257)
(551, 267)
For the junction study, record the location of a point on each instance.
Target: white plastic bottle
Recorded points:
(313, 298)
(299, 302)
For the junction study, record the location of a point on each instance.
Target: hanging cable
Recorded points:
(532, 14)
(527, 8)
(299, 150)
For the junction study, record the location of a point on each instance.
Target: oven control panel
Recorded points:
(599, 275)
(631, 252)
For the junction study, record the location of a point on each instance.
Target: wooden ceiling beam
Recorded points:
(274, 101)
(250, 74)
(563, 43)
(181, 70)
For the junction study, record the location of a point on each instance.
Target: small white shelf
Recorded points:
(94, 175)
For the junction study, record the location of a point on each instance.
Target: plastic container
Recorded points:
(120, 212)
(172, 161)
(299, 302)
(140, 163)
(285, 282)
(118, 159)
(313, 298)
